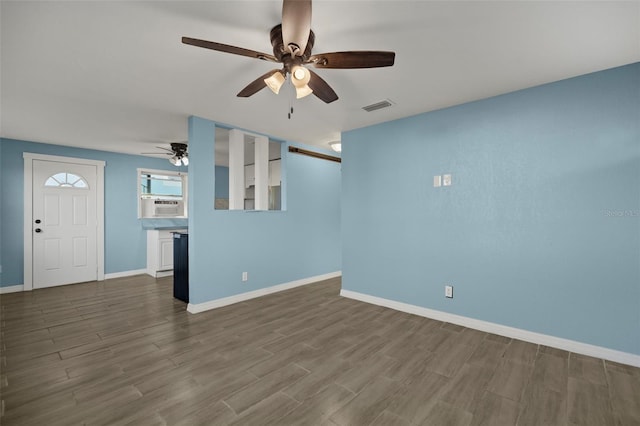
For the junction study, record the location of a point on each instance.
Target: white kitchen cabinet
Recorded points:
(274, 172)
(249, 175)
(159, 252)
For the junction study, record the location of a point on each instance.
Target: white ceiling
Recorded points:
(114, 75)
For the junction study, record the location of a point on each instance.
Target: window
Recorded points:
(66, 180)
(156, 185)
(161, 193)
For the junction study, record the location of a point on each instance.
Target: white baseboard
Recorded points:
(12, 289)
(195, 308)
(502, 330)
(158, 274)
(125, 274)
(16, 288)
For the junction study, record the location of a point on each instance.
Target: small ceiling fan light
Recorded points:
(185, 160)
(303, 91)
(299, 73)
(275, 82)
(336, 146)
(175, 160)
(300, 76)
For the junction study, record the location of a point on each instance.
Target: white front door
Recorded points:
(64, 223)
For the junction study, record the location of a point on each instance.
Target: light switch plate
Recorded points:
(437, 181)
(446, 180)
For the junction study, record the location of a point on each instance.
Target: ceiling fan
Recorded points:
(178, 153)
(292, 42)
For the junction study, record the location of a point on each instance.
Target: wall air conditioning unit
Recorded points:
(162, 208)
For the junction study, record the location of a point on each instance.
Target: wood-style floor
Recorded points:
(124, 351)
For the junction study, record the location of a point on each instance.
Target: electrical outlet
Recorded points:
(245, 276)
(446, 180)
(448, 291)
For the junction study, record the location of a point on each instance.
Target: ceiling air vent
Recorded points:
(378, 105)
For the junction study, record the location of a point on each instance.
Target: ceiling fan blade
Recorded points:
(228, 49)
(256, 85)
(321, 89)
(353, 59)
(296, 25)
(166, 149)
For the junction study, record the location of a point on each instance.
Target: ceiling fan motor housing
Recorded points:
(180, 149)
(282, 53)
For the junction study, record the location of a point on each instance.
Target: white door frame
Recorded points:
(28, 210)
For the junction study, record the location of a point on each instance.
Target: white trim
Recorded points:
(28, 211)
(125, 274)
(502, 330)
(27, 263)
(73, 160)
(100, 219)
(195, 308)
(12, 289)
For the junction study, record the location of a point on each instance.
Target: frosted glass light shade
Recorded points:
(176, 161)
(303, 91)
(275, 82)
(336, 146)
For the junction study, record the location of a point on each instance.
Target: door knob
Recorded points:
(38, 230)
(38, 221)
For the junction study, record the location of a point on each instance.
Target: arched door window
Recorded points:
(66, 180)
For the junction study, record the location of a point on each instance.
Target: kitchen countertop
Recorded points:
(164, 224)
(167, 228)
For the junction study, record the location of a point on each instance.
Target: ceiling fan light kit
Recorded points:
(336, 146)
(179, 161)
(292, 43)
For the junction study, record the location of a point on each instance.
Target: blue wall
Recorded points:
(541, 228)
(125, 240)
(274, 247)
(222, 182)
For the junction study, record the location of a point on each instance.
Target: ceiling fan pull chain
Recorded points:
(290, 102)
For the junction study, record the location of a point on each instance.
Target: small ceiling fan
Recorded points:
(178, 153)
(292, 42)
